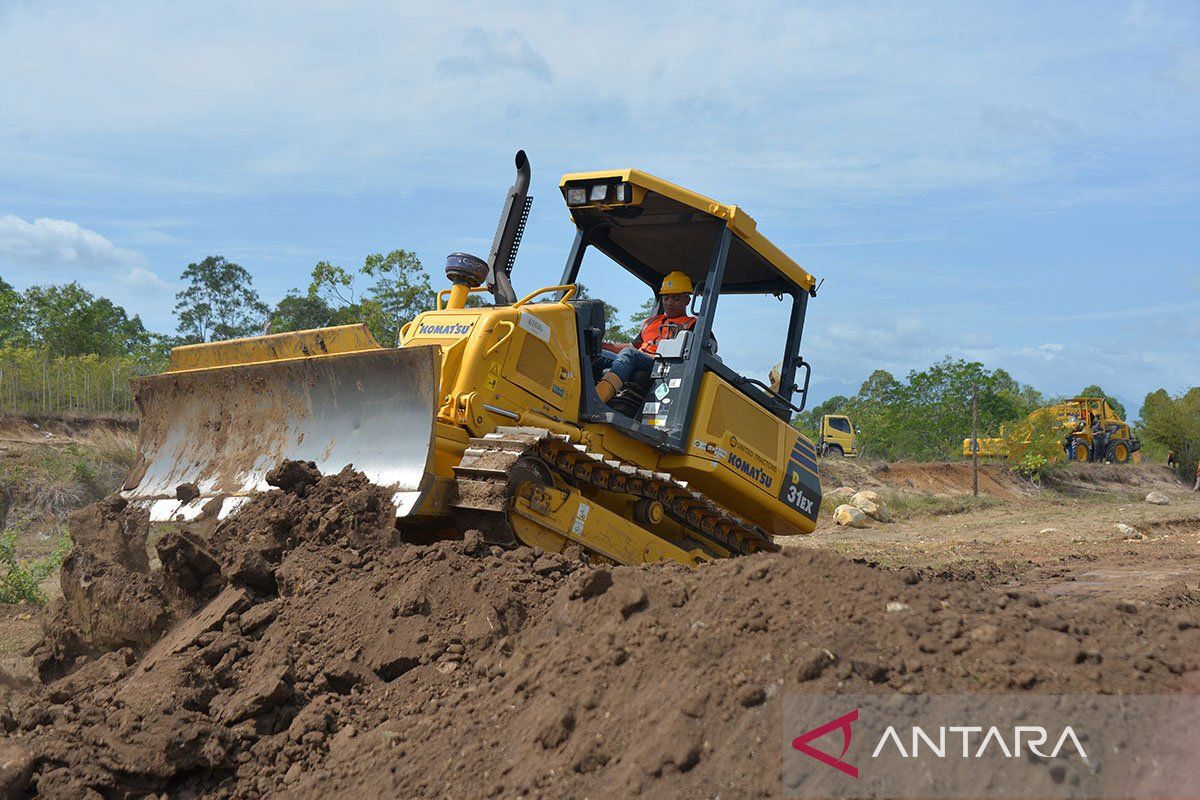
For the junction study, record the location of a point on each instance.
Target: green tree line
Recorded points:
(64, 349)
(67, 320)
(928, 414)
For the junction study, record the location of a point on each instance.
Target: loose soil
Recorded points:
(299, 649)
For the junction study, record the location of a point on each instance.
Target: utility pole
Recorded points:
(975, 439)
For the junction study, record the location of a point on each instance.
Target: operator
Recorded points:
(1099, 438)
(675, 294)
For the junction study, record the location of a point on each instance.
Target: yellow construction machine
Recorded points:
(487, 417)
(839, 436)
(1092, 431)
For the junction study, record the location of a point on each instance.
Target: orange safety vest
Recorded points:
(659, 327)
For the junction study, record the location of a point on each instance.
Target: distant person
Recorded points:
(1099, 439)
(1196, 488)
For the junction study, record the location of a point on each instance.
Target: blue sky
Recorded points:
(1013, 182)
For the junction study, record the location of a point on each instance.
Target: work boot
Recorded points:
(608, 386)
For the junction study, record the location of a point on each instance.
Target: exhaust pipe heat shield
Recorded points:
(223, 429)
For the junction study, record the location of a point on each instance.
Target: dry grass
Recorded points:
(910, 505)
(41, 482)
(906, 505)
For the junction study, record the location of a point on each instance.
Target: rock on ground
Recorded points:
(850, 516)
(872, 505)
(1128, 531)
(1158, 499)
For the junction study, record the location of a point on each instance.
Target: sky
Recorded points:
(1016, 183)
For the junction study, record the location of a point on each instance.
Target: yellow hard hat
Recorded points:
(676, 283)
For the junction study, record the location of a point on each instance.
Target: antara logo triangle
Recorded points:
(843, 724)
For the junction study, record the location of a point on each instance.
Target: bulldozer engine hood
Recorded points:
(223, 429)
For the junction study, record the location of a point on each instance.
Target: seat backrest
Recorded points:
(591, 312)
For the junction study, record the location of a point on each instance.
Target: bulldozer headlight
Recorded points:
(606, 193)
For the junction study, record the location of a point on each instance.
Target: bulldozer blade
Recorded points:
(223, 429)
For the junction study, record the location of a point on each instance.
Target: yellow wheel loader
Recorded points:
(1092, 431)
(487, 418)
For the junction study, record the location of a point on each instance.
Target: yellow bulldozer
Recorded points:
(486, 417)
(1091, 431)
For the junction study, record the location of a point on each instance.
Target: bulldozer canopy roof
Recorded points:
(663, 227)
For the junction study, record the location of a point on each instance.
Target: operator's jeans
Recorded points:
(623, 365)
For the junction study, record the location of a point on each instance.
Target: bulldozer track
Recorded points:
(493, 467)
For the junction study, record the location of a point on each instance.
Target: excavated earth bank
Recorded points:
(300, 649)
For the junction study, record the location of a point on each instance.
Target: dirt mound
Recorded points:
(1111, 477)
(944, 477)
(315, 655)
(111, 599)
(995, 479)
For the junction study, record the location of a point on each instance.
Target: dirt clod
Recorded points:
(294, 476)
(186, 492)
(16, 768)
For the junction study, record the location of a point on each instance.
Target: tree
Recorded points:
(68, 320)
(1096, 391)
(1174, 424)
(219, 302)
(929, 413)
(12, 327)
(1034, 444)
(879, 387)
(644, 312)
(400, 291)
(300, 312)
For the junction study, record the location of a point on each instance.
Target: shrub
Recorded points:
(19, 579)
(1173, 423)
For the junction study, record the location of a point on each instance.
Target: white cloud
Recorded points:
(813, 102)
(56, 251)
(885, 344)
(1048, 352)
(58, 242)
(142, 280)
